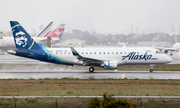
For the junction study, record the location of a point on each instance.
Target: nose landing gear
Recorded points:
(151, 68)
(171, 54)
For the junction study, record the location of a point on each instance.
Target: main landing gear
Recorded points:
(91, 69)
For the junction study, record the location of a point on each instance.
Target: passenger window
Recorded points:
(94, 52)
(124, 52)
(108, 52)
(112, 52)
(90, 52)
(104, 53)
(99, 52)
(116, 52)
(86, 52)
(137, 52)
(69, 53)
(60, 52)
(64, 52)
(120, 52)
(82, 52)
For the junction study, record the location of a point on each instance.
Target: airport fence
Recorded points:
(82, 101)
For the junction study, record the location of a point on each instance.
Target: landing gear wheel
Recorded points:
(151, 70)
(91, 69)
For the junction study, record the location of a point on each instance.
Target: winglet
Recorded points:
(74, 52)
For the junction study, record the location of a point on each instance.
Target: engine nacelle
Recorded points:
(110, 64)
(165, 51)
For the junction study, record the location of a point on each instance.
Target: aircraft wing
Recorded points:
(86, 60)
(160, 48)
(56, 41)
(163, 48)
(171, 49)
(44, 40)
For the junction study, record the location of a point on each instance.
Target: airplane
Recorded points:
(7, 43)
(107, 58)
(121, 44)
(175, 47)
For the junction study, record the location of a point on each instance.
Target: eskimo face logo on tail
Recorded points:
(134, 56)
(21, 39)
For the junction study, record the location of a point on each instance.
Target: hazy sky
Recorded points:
(101, 16)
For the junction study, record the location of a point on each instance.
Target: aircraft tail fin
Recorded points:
(45, 31)
(58, 32)
(21, 38)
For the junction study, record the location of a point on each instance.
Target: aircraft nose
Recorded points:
(169, 59)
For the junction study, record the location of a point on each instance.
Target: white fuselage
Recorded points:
(123, 56)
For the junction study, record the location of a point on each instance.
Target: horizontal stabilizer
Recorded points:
(13, 52)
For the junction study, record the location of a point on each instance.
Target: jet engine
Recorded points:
(165, 51)
(110, 64)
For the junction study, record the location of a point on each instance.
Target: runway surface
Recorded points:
(10, 59)
(82, 74)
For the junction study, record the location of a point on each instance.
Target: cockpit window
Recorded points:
(157, 52)
(161, 52)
